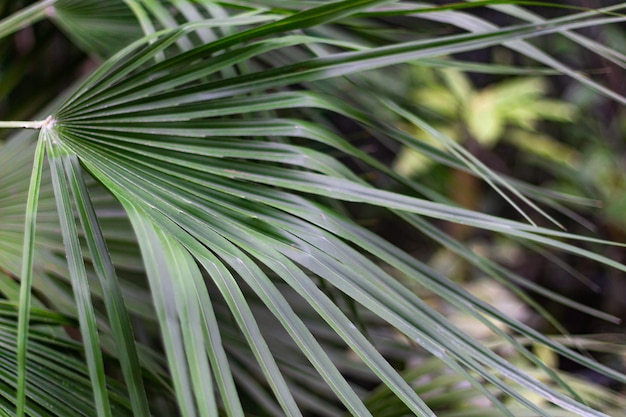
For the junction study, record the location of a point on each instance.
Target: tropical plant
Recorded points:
(190, 245)
(506, 111)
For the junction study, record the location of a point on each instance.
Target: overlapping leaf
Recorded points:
(226, 174)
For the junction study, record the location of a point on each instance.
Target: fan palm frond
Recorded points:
(215, 134)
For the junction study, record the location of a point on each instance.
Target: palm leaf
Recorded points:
(230, 184)
(58, 382)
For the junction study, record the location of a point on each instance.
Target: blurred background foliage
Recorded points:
(522, 126)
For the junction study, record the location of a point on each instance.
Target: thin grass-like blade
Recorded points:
(25, 17)
(143, 224)
(100, 27)
(113, 298)
(159, 274)
(58, 383)
(30, 220)
(78, 274)
(184, 273)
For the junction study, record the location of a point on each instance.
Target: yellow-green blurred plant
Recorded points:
(510, 110)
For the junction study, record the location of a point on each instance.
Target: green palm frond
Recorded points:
(58, 381)
(98, 27)
(216, 135)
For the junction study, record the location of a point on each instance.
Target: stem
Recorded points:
(26, 125)
(25, 17)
